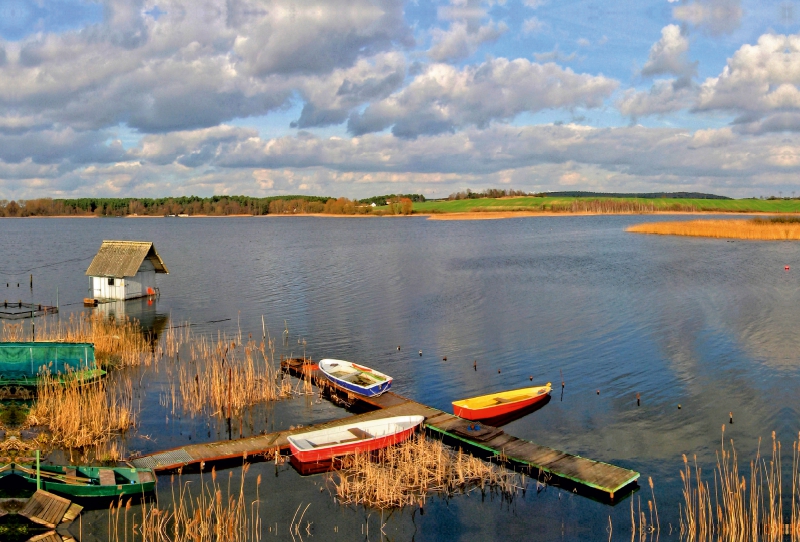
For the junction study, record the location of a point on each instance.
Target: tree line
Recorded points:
(212, 206)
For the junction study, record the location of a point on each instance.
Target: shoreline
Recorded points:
(465, 215)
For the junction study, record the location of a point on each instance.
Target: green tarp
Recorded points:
(21, 362)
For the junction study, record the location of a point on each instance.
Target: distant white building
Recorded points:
(125, 270)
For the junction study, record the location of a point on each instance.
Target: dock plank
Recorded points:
(607, 478)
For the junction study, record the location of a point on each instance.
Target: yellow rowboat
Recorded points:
(500, 403)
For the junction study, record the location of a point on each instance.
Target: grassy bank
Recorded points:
(608, 205)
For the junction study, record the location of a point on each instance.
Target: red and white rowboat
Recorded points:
(363, 436)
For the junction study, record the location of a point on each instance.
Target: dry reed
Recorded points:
(213, 514)
(404, 474)
(78, 414)
(117, 342)
(224, 377)
(728, 511)
(724, 229)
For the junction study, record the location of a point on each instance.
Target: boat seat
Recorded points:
(360, 433)
(107, 478)
(510, 399)
(146, 476)
(71, 471)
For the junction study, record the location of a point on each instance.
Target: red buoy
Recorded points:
(786, 267)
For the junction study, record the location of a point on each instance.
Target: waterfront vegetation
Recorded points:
(408, 473)
(778, 228)
(212, 512)
(82, 415)
(727, 506)
(224, 377)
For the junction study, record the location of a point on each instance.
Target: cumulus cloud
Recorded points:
(444, 98)
(721, 158)
(554, 56)
(662, 98)
(460, 41)
(196, 65)
(532, 25)
(668, 55)
(329, 99)
(759, 84)
(714, 16)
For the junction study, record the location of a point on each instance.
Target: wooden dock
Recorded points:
(608, 480)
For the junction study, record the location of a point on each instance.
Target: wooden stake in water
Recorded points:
(38, 473)
(229, 403)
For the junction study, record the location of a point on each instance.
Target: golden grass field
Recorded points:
(724, 229)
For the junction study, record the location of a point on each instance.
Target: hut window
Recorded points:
(111, 282)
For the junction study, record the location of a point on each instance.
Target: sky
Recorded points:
(358, 98)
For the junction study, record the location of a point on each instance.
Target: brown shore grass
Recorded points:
(405, 474)
(223, 377)
(755, 229)
(729, 511)
(213, 512)
(117, 342)
(79, 415)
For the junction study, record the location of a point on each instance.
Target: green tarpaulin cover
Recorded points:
(23, 361)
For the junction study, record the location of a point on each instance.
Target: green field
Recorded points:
(560, 204)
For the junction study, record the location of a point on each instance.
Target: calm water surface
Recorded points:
(707, 324)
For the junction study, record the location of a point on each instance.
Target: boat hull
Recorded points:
(341, 373)
(477, 411)
(310, 456)
(326, 444)
(119, 490)
(372, 391)
(88, 482)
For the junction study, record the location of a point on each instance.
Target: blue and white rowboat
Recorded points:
(356, 378)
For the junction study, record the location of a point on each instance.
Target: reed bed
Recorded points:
(727, 511)
(405, 474)
(215, 513)
(78, 414)
(756, 229)
(611, 206)
(117, 342)
(224, 377)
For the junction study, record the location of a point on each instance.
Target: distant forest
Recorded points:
(213, 206)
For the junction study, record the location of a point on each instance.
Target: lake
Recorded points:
(710, 325)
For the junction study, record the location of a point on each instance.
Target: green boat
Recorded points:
(89, 481)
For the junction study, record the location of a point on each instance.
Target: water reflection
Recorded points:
(701, 323)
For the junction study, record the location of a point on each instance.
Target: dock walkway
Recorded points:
(605, 478)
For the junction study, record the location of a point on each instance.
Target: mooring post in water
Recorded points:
(229, 403)
(38, 474)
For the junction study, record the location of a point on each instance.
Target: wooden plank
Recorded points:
(73, 512)
(45, 508)
(107, 477)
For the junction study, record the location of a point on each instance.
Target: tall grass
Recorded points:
(612, 206)
(729, 229)
(405, 474)
(214, 512)
(117, 342)
(224, 377)
(78, 414)
(728, 510)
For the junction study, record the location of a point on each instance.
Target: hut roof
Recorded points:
(123, 258)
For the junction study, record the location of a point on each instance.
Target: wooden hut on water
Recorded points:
(125, 270)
